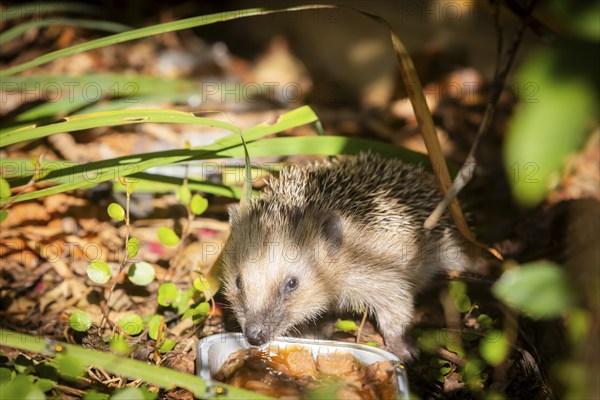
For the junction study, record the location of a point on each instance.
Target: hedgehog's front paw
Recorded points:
(403, 347)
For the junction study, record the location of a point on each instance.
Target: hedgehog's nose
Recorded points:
(255, 334)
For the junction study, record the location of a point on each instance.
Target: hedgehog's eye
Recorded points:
(238, 282)
(291, 285)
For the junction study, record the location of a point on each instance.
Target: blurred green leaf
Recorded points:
(133, 246)
(98, 272)
(167, 236)
(184, 195)
(4, 188)
(198, 205)
(44, 384)
(21, 388)
(484, 321)
(154, 324)
(141, 273)
(120, 346)
(3, 215)
(131, 324)
(80, 321)
(167, 294)
(346, 326)
(550, 124)
(539, 290)
(494, 347)
(582, 17)
(578, 325)
(132, 393)
(116, 211)
(167, 345)
(94, 395)
(69, 366)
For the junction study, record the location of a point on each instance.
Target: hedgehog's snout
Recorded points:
(256, 334)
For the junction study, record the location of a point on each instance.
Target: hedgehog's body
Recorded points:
(346, 235)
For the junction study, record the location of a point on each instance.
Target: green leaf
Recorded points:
(182, 303)
(44, 384)
(167, 236)
(69, 366)
(3, 215)
(98, 272)
(494, 347)
(80, 321)
(201, 284)
(132, 324)
(116, 211)
(132, 393)
(6, 376)
(148, 31)
(133, 247)
(457, 289)
(22, 388)
(198, 204)
(539, 290)
(4, 189)
(120, 346)
(346, 326)
(578, 325)
(94, 395)
(167, 294)
(167, 345)
(545, 131)
(372, 344)
(184, 195)
(154, 324)
(463, 303)
(141, 273)
(484, 321)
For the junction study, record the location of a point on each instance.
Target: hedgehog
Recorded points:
(342, 235)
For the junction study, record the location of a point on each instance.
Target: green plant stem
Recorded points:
(133, 369)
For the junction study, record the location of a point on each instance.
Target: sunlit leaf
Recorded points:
(539, 290)
(132, 324)
(167, 345)
(167, 294)
(198, 204)
(132, 393)
(4, 189)
(154, 325)
(167, 236)
(98, 272)
(22, 388)
(133, 246)
(141, 273)
(184, 195)
(116, 211)
(80, 321)
(346, 326)
(494, 347)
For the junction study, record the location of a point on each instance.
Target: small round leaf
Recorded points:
(132, 324)
(346, 326)
(198, 205)
(167, 294)
(116, 211)
(154, 326)
(167, 236)
(167, 345)
(184, 195)
(133, 247)
(119, 345)
(80, 321)
(141, 273)
(494, 348)
(98, 272)
(4, 189)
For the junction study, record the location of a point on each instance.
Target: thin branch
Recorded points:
(467, 170)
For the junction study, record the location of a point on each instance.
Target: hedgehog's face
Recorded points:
(273, 273)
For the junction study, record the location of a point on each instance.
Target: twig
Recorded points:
(467, 170)
(450, 356)
(362, 323)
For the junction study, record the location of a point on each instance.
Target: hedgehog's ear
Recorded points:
(333, 231)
